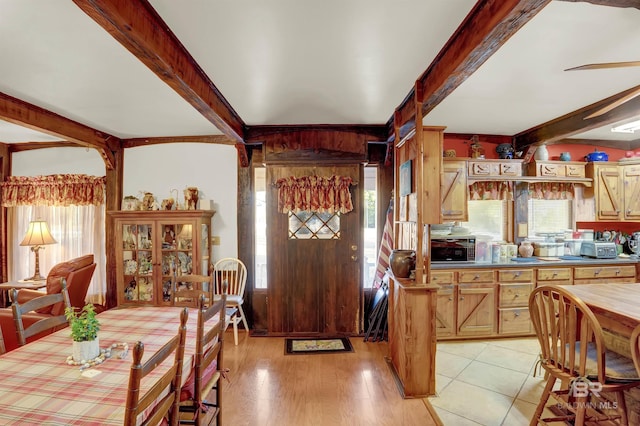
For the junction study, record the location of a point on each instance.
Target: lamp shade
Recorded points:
(37, 234)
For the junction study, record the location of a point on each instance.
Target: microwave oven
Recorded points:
(453, 249)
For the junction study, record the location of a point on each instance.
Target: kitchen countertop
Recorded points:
(586, 261)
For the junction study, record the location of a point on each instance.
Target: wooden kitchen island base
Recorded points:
(412, 336)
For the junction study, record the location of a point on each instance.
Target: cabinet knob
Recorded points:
(451, 299)
(618, 271)
(476, 277)
(597, 272)
(517, 314)
(555, 274)
(461, 297)
(354, 257)
(517, 274)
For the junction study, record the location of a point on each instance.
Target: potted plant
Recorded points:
(84, 331)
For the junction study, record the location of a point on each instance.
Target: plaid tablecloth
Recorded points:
(37, 387)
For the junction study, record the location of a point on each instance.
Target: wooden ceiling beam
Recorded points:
(484, 30)
(24, 114)
(374, 132)
(575, 122)
(211, 139)
(137, 26)
(612, 3)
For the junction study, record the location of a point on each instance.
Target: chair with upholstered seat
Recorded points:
(187, 289)
(166, 392)
(207, 371)
(573, 352)
(45, 324)
(232, 272)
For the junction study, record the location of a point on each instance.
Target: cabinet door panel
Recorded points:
(454, 191)
(631, 192)
(445, 312)
(476, 310)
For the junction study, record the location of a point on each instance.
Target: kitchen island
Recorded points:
(485, 300)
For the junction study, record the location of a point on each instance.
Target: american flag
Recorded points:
(386, 246)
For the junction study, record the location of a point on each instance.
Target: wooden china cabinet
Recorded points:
(154, 246)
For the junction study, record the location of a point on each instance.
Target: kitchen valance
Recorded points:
(491, 190)
(315, 194)
(551, 191)
(53, 190)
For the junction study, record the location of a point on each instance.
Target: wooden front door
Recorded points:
(314, 283)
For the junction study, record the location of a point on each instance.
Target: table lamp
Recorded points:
(37, 235)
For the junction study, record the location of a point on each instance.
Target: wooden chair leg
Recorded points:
(543, 401)
(622, 408)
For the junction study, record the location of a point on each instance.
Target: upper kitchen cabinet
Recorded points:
(454, 190)
(616, 190)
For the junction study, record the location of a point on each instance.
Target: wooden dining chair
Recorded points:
(233, 273)
(47, 322)
(208, 367)
(187, 289)
(165, 392)
(573, 352)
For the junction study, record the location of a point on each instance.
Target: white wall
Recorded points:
(158, 169)
(210, 167)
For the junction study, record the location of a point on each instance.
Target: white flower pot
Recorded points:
(85, 351)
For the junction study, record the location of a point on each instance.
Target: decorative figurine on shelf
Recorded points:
(191, 198)
(450, 153)
(148, 201)
(475, 149)
(505, 151)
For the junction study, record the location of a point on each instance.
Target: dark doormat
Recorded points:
(317, 346)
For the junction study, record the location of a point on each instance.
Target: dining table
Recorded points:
(617, 306)
(39, 387)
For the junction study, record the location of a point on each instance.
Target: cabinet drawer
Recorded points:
(475, 276)
(554, 274)
(511, 169)
(442, 277)
(514, 294)
(599, 272)
(514, 321)
(515, 275)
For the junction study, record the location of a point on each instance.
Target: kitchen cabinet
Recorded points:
(515, 285)
(454, 190)
(561, 169)
(616, 191)
(617, 274)
(154, 246)
(482, 169)
(554, 276)
(446, 307)
(631, 189)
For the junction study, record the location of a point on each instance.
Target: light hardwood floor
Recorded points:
(268, 387)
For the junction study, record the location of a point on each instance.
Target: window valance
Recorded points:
(53, 190)
(315, 194)
(491, 190)
(551, 191)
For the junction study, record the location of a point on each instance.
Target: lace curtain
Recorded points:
(73, 206)
(315, 194)
(53, 190)
(491, 191)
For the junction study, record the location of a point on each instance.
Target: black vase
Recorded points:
(402, 262)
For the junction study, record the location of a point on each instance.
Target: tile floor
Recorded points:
(487, 382)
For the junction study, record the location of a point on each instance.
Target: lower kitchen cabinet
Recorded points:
(476, 310)
(493, 301)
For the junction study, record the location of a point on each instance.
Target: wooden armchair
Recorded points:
(166, 404)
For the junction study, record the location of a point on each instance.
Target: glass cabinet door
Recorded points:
(137, 254)
(205, 248)
(177, 254)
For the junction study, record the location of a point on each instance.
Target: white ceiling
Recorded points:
(293, 62)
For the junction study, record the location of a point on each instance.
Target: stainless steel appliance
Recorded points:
(453, 249)
(599, 249)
